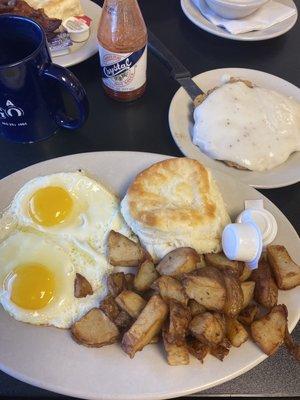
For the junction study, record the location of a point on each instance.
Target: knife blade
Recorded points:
(177, 70)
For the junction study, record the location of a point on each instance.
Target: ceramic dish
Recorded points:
(49, 358)
(194, 15)
(82, 51)
(181, 123)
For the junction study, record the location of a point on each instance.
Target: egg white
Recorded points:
(95, 212)
(64, 259)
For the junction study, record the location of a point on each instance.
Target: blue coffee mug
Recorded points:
(31, 102)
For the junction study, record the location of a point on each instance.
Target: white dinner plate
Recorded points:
(82, 51)
(181, 123)
(48, 357)
(194, 14)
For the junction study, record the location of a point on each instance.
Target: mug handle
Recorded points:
(68, 80)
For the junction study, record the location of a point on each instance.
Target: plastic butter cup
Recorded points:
(243, 242)
(254, 229)
(78, 28)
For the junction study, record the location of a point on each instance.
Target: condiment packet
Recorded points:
(60, 44)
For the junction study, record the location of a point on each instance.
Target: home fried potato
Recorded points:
(248, 292)
(235, 332)
(131, 302)
(176, 354)
(147, 326)
(197, 349)
(285, 270)
(195, 308)
(82, 287)
(201, 263)
(209, 328)
(129, 281)
(248, 314)
(123, 321)
(246, 272)
(145, 276)
(170, 289)
(234, 295)
(207, 287)
(220, 351)
(95, 329)
(178, 261)
(269, 331)
(110, 308)
(179, 320)
(116, 283)
(292, 347)
(124, 252)
(265, 291)
(220, 261)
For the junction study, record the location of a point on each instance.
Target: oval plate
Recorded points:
(48, 357)
(181, 123)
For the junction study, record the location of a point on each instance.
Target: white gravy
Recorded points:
(255, 127)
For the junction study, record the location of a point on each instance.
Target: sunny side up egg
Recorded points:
(37, 278)
(70, 205)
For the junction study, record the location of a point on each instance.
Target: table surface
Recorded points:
(143, 126)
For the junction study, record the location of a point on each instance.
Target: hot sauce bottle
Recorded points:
(122, 37)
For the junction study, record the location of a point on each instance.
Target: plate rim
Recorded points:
(165, 395)
(92, 42)
(181, 146)
(227, 35)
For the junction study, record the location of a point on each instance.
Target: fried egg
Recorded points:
(69, 205)
(37, 277)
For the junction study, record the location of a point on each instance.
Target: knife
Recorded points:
(177, 70)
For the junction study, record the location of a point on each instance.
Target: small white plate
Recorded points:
(181, 123)
(82, 51)
(194, 14)
(48, 357)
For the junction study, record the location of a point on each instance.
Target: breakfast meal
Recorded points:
(69, 259)
(247, 126)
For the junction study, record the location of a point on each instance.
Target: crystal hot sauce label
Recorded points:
(123, 72)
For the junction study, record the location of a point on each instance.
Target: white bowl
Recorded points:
(234, 9)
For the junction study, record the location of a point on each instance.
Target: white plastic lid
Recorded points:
(78, 29)
(263, 219)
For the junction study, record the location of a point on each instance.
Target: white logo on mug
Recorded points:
(10, 111)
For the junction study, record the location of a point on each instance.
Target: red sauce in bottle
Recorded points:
(122, 37)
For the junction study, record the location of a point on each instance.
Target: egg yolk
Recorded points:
(32, 286)
(50, 206)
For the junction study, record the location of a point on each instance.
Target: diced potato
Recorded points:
(220, 261)
(131, 302)
(176, 354)
(195, 308)
(286, 271)
(269, 331)
(248, 291)
(124, 252)
(110, 307)
(220, 351)
(292, 347)
(265, 291)
(95, 329)
(208, 328)
(116, 283)
(147, 326)
(197, 349)
(170, 289)
(129, 281)
(207, 287)
(178, 261)
(248, 314)
(179, 320)
(234, 295)
(246, 273)
(145, 276)
(82, 287)
(235, 332)
(201, 263)
(123, 320)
